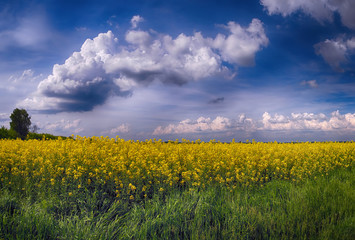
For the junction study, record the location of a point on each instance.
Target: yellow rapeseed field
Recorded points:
(136, 169)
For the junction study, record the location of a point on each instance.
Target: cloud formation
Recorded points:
(242, 44)
(4, 117)
(276, 122)
(202, 124)
(217, 100)
(67, 125)
(336, 52)
(26, 31)
(321, 10)
(309, 121)
(136, 20)
(23, 82)
(104, 68)
(123, 128)
(311, 83)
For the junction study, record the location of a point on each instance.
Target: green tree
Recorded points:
(4, 133)
(7, 133)
(20, 122)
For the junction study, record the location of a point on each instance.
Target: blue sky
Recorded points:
(270, 70)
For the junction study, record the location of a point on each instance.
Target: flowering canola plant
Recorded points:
(137, 169)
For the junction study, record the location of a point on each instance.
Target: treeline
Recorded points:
(11, 134)
(20, 128)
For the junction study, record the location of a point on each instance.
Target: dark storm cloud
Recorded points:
(146, 76)
(217, 100)
(85, 98)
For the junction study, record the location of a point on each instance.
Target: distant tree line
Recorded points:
(21, 127)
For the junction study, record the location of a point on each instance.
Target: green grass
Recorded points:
(321, 208)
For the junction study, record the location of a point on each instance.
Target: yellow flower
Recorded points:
(131, 165)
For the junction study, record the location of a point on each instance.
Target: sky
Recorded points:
(269, 70)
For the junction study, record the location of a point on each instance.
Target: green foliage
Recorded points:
(7, 133)
(20, 128)
(12, 134)
(42, 136)
(20, 122)
(321, 208)
(4, 133)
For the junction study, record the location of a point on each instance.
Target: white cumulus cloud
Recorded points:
(276, 122)
(242, 44)
(336, 52)
(123, 128)
(321, 10)
(203, 124)
(67, 125)
(103, 67)
(309, 121)
(135, 20)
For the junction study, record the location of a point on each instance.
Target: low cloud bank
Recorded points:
(276, 122)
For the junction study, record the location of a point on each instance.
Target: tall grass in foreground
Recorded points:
(321, 208)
